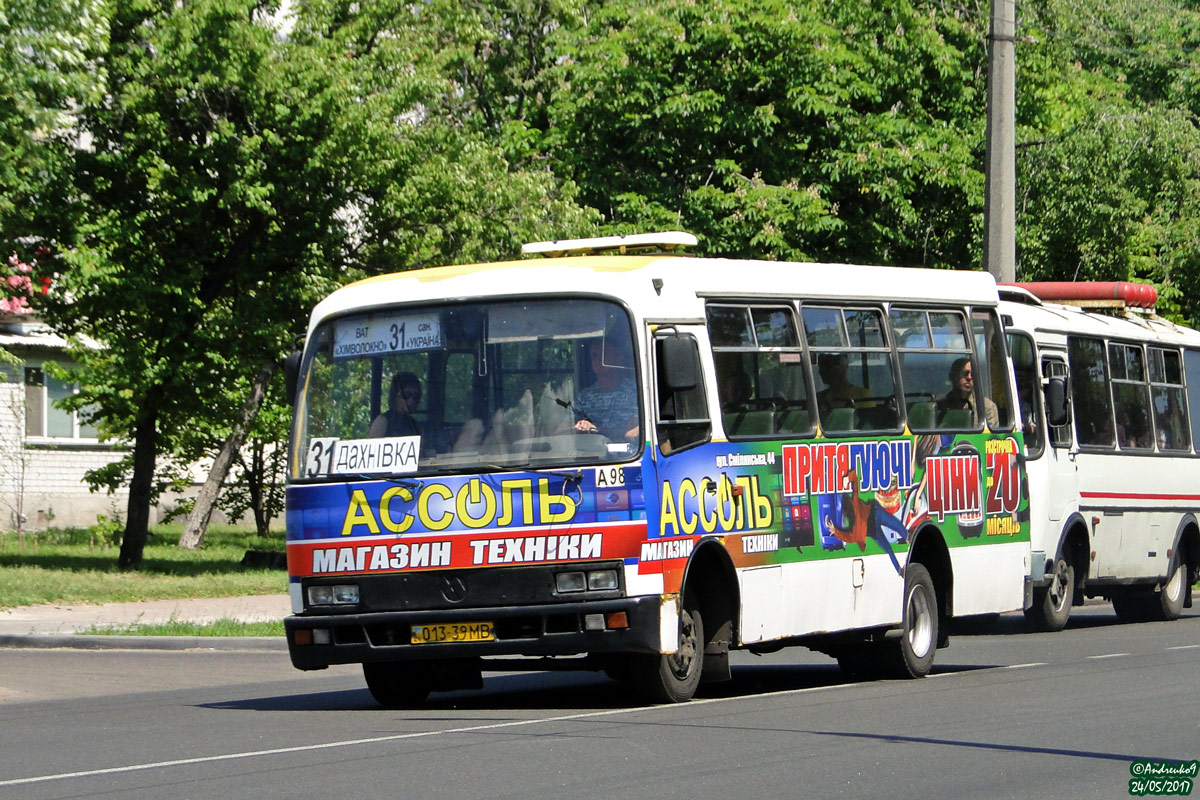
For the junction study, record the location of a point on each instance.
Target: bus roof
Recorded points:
(1042, 317)
(662, 286)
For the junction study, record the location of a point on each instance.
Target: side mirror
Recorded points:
(680, 363)
(1056, 401)
(291, 374)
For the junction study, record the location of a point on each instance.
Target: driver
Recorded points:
(609, 404)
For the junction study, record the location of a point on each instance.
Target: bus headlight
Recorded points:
(566, 582)
(601, 579)
(341, 594)
(596, 580)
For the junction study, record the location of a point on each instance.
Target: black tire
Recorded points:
(398, 684)
(673, 677)
(911, 654)
(618, 667)
(1173, 592)
(1052, 606)
(858, 662)
(1134, 605)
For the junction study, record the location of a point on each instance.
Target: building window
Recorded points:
(43, 419)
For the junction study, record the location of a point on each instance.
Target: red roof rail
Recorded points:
(1093, 293)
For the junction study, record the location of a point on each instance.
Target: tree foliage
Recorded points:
(236, 174)
(46, 66)
(1109, 179)
(236, 164)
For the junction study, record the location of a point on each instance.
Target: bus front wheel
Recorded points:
(398, 684)
(911, 654)
(673, 677)
(1052, 606)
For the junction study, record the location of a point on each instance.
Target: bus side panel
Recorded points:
(1139, 501)
(987, 580)
(819, 530)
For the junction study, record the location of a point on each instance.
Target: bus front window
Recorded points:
(471, 387)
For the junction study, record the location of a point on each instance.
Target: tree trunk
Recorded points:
(197, 521)
(255, 478)
(141, 486)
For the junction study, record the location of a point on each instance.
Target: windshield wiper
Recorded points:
(407, 483)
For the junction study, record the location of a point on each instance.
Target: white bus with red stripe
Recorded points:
(1110, 392)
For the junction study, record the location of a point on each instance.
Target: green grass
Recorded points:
(221, 627)
(70, 566)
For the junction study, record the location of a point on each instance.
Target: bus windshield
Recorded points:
(468, 387)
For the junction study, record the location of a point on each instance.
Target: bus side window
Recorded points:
(1130, 396)
(992, 367)
(683, 418)
(763, 388)
(933, 349)
(1166, 400)
(1091, 402)
(852, 368)
(1191, 371)
(1024, 359)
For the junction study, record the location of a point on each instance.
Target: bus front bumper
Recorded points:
(625, 625)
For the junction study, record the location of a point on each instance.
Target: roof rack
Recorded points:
(665, 241)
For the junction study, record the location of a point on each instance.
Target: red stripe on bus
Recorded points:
(1139, 496)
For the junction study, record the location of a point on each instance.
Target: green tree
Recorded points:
(208, 219)
(784, 130)
(46, 52)
(1109, 174)
(237, 174)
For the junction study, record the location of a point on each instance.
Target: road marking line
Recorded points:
(1109, 655)
(1184, 647)
(180, 762)
(1030, 664)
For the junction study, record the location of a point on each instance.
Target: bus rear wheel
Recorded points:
(673, 677)
(1052, 606)
(1174, 590)
(398, 684)
(1141, 604)
(911, 654)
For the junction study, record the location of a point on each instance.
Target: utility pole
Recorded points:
(999, 204)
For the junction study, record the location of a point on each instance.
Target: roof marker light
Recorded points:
(664, 241)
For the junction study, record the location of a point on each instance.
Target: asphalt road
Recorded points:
(1005, 714)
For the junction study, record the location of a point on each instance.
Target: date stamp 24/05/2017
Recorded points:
(1162, 777)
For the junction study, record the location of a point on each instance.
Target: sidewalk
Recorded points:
(60, 625)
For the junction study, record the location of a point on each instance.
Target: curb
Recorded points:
(251, 644)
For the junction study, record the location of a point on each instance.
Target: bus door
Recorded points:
(681, 402)
(678, 487)
(1062, 476)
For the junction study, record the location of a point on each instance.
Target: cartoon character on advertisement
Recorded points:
(851, 520)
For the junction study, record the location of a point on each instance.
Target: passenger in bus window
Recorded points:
(609, 405)
(962, 395)
(733, 384)
(1029, 426)
(403, 398)
(839, 391)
